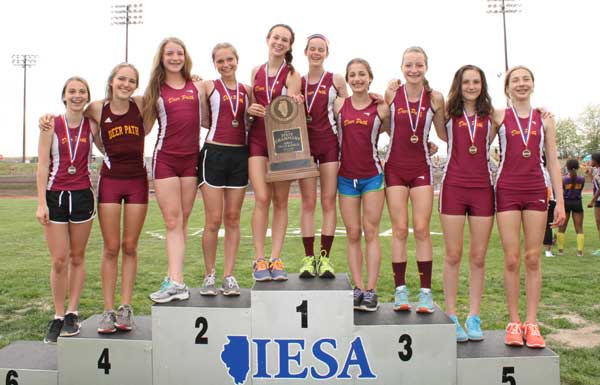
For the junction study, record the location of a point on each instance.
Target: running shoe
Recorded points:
(54, 328)
(325, 268)
(261, 270)
(532, 335)
(580, 253)
(461, 336)
(549, 253)
(401, 299)
(107, 322)
(169, 291)
(473, 328)
(230, 286)
(425, 302)
(124, 319)
(369, 301)
(71, 325)
(208, 286)
(308, 269)
(514, 334)
(277, 270)
(357, 294)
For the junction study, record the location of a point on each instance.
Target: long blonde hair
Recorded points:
(113, 73)
(157, 77)
(417, 49)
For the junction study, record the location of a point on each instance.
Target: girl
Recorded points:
(467, 190)
(177, 102)
(320, 89)
(595, 202)
(223, 167)
(573, 186)
(274, 78)
(408, 174)
(521, 199)
(66, 203)
(360, 179)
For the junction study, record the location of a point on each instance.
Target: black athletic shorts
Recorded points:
(223, 166)
(70, 206)
(573, 205)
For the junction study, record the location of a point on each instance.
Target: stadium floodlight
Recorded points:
(24, 61)
(126, 14)
(504, 7)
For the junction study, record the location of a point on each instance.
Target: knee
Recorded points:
(532, 260)
(59, 265)
(512, 262)
(111, 250)
(478, 261)
(353, 234)
(309, 203)
(232, 220)
(129, 248)
(400, 232)
(76, 259)
(328, 204)
(371, 233)
(421, 232)
(173, 222)
(262, 200)
(212, 225)
(280, 204)
(453, 258)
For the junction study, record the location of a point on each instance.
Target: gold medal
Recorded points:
(526, 153)
(414, 139)
(71, 170)
(473, 150)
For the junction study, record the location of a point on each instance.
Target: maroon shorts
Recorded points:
(128, 190)
(476, 202)
(324, 149)
(407, 176)
(257, 147)
(168, 166)
(508, 200)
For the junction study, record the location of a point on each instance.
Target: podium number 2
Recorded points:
(104, 361)
(303, 310)
(10, 378)
(408, 352)
(200, 339)
(507, 377)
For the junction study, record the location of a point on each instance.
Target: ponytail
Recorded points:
(288, 59)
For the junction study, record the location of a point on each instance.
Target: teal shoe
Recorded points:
(473, 326)
(401, 299)
(425, 302)
(461, 336)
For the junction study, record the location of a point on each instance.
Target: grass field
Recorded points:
(571, 288)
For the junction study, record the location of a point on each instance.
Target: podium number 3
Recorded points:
(303, 310)
(507, 377)
(200, 339)
(408, 352)
(10, 378)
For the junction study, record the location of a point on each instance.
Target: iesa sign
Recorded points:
(236, 357)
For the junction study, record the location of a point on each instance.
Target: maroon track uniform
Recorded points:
(407, 162)
(358, 135)
(520, 183)
(321, 124)
(264, 86)
(222, 127)
(467, 181)
(178, 142)
(123, 175)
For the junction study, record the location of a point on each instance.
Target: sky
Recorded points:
(557, 40)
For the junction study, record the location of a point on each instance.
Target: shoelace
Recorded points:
(533, 329)
(261, 264)
(475, 321)
(231, 282)
(513, 328)
(164, 286)
(307, 260)
(107, 317)
(369, 295)
(277, 264)
(209, 280)
(357, 293)
(55, 326)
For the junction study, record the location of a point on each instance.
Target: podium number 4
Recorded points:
(104, 361)
(10, 378)
(507, 375)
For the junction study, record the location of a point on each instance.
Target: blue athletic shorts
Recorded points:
(358, 187)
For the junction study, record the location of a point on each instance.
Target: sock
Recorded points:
(59, 317)
(326, 242)
(399, 269)
(425, 273)
(309, 249)
(580, 241)
(73, 312)
(560, 241)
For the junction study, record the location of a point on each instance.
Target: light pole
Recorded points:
(504, 7)
(126, 14)
(24, 61)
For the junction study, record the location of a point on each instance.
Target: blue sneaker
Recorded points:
(461, 336)
(401, 299)
(261, 270)
(473, 326)
(425, 302)
(277, 269)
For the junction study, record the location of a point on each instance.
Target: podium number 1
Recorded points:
(10, 378)
(303, 310)
(507, 377)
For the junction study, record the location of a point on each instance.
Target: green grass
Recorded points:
(570, 284)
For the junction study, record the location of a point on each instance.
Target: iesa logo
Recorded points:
(236, 357)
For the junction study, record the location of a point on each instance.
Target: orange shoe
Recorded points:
(514, 334)
(533, 337)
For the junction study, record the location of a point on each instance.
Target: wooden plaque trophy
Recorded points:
(287, 142)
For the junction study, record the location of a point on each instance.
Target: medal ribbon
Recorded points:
(524, 137)
(414, 126)
(472, 130)
(72, 153)
(309, 104)
(269, 87)
(237, 97)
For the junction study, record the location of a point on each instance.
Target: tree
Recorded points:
(569, 143)
(590, 125)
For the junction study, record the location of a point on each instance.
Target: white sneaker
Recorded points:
(549, 253)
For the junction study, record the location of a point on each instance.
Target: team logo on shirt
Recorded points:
(516, 132)
(180, 98)
(402, 110)
(359, 121)
(123, 130)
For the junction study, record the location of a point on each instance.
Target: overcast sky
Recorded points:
(557, 40)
